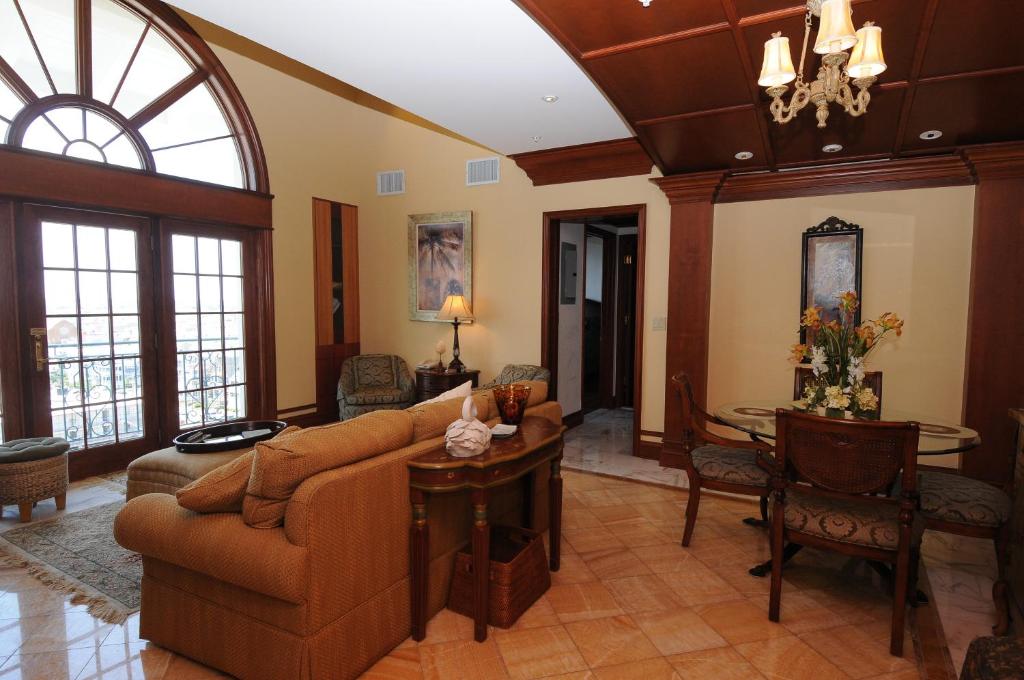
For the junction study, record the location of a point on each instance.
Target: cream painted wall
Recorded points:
(319, 144)
(917, 260)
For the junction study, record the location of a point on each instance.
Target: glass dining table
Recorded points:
(757, 418)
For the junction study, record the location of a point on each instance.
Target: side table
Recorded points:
(430, 382)
(538, 442)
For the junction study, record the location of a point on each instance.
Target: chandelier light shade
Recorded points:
(839, 69)
(836, 32)
(777, 68)
(867, 59)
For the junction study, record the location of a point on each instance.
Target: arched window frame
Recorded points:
(208, 70)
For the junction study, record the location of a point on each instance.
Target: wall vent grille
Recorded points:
(483, 171)
(390, 182)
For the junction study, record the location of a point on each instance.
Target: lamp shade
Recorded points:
(867, 59)
(455, 307)
(777, 67)
(835, 33)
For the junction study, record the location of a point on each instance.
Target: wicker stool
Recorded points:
(33, 470)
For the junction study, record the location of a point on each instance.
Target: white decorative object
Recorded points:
(461, 391)
(467, 436)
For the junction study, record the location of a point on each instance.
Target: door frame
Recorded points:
(550, 265)
(10, 332)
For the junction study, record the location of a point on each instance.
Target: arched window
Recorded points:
(122, 82)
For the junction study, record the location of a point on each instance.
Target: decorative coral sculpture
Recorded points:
(467, 436)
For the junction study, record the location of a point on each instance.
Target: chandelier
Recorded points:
(835, 35)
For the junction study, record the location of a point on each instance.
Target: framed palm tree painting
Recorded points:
(440, 261)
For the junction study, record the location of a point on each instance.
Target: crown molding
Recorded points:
(996, 161)
(598, 160)
(697, 187)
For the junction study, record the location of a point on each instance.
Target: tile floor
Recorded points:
(627, 603)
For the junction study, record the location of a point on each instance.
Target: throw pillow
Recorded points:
(431, 420)
(462, 391)
(280, 466)
(222, 489)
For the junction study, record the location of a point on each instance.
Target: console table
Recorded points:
(431, 382)
(538, 442)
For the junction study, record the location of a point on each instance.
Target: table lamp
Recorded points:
(456, 310)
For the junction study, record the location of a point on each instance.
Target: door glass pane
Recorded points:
(95, 398)
(211, 381)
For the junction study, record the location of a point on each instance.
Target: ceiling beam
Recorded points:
(915, 71)
(747, 60)
(599, 160)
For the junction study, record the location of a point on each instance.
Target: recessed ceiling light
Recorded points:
(536, 139)
(744, 156)
(550, 98)
(832, 148)
(930, 134)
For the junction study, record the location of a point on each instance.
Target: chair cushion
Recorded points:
(726, 464)
(860, 522)
(369, 396)
(374, 370)
(955, 498)
(38, 448)
(994, 658)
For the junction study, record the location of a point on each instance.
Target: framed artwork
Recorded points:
(440, 261)
(831, 266)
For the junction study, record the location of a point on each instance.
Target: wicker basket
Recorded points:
(519, 576)
(33, 480)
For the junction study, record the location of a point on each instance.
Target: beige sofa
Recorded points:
(326, 594)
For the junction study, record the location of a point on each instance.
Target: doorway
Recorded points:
(592, 319)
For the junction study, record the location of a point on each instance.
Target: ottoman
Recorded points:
(167, 470)
(32, 470)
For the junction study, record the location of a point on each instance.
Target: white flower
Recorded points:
(819, 362)
(856, 370)
(866, 400)
(835, 398)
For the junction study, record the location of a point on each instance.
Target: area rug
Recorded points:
(76, 553)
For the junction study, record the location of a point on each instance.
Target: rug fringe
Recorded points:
(98, 605)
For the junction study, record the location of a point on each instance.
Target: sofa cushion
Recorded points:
(369, 396)
(431, 420)
(281, 465)
(223, 488)
(955, 498)
(861, 522)
(728, 464)
(375, 370)
(538, 392)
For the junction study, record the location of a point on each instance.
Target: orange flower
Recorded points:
(890, 322)
(799, 352)
(866, 332)
(834, 326)
(848, 301)
(811, 318)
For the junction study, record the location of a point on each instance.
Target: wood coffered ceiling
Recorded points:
(683, 73)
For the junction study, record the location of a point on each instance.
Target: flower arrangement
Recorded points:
(837, 350)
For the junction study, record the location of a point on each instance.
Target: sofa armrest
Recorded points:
(219, 545)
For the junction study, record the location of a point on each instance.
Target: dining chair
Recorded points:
(802, 373)
(955, 504)
(831, 482)
(716, 462)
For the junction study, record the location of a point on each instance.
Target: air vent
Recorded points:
(483, 171)
(390, 182)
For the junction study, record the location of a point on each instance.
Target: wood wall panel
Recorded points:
(994, 380)
(601, 160)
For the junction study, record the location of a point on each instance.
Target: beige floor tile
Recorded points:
(577, 601)
(641, 493)
(677, 631)
(615, 513)
(860, 651)
(722, 663)
(578, 675)
(402, 664)
(133, 661)
(694, 584)
(539, 652)
(181, 668)
(35, 602)
(597, 497)
(662, 511)
(13, 632)
(54, 665)
(540, 614)
(664, 558)
(642, 593)
(462, 659)
(611, 641)
(740, 621)
(789, 658)
(614, 563)
(575, 481)
(447, 626)
(589, 540)
(800, 612)
(572, 569)
(65, 631)
(580, 518)
(638, 533)
(648, 669)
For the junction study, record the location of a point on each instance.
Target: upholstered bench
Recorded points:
(994, 658)
(32, 470)
(167, 470)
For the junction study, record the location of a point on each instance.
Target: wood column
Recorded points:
(994, 380)
(689, 295)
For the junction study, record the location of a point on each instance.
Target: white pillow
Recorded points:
(461, 392)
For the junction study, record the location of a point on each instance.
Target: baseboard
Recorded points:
(573, 419)
(672, 455)
(648, 450)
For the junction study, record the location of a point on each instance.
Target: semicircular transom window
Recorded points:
(101, 81)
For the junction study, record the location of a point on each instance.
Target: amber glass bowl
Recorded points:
(511, 401)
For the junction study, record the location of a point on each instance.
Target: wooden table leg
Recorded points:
(481, 565)
(419, 563)
(555, 513)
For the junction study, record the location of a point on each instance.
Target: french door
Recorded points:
(118, 332)
(87, 302)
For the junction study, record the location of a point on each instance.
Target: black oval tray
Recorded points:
(228, 436)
